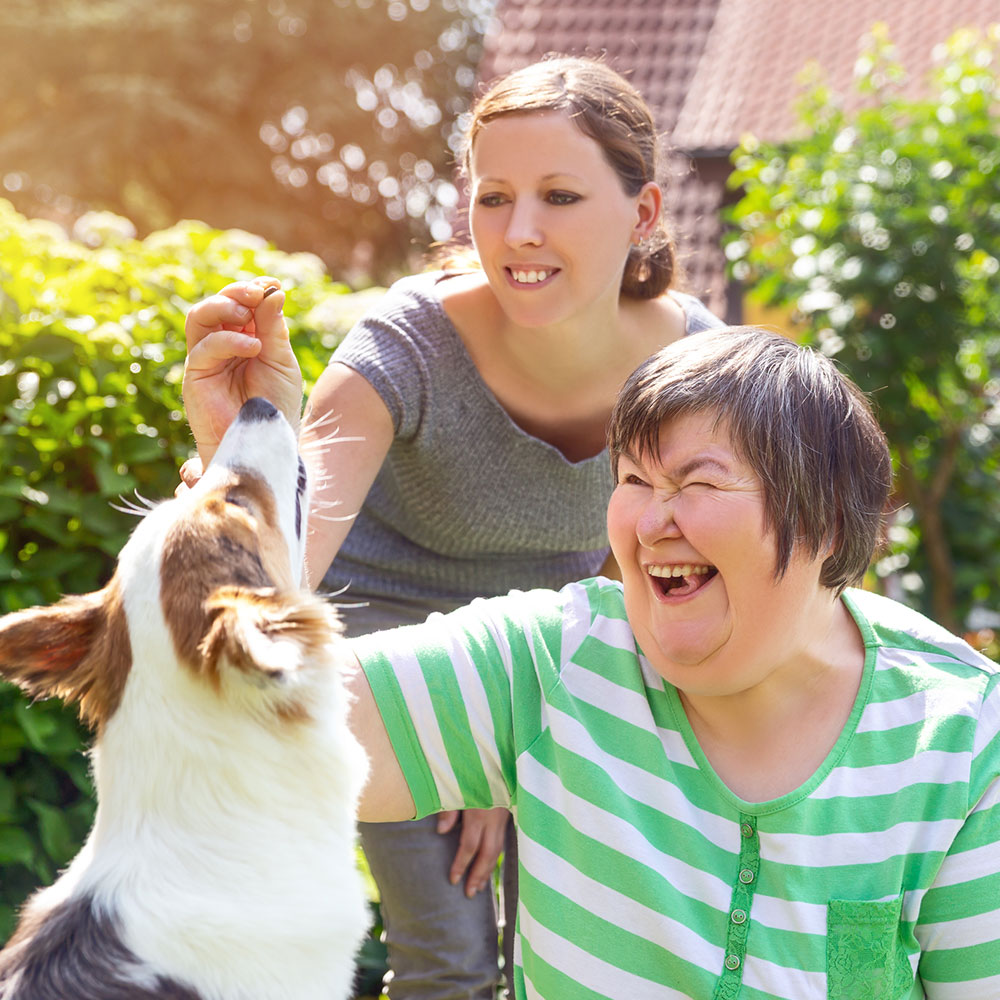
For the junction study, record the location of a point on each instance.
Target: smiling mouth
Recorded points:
(530, 276)
(680, 580)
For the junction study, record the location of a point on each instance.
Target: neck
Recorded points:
(563, 352)
(766, 740)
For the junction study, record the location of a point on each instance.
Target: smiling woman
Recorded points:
(759, 782)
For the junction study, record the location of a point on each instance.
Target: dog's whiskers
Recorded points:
(127, 506)
(330, 518)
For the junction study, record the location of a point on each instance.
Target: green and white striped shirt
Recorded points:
(643, 876)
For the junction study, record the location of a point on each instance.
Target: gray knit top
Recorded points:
(466, 504)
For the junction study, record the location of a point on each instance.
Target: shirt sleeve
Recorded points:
(446, 692)
(388, 347)
(959, 923)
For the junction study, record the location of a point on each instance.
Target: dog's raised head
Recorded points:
(208, 576)
(221, 863)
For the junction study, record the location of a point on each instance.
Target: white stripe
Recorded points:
(630, 706)
(644, 787)
(609, 980)
(932, 767)
(614, 632)
(793, 984)
(967, 866)
(912, 837)
(612, 831)
(965, 932)
(419, 705)
(978, 989)
(937, 702)
(786, 915)
(477, 707)
(991, 797)
(989, 722)
(575, 620)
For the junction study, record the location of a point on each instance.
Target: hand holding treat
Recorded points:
(238, 347)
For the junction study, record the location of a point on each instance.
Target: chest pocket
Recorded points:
(866, 958)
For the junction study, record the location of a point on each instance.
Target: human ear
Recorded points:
(649, 208)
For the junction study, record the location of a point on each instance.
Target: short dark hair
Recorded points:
(806, 430)
(605, 107)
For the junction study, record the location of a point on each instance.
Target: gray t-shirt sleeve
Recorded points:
(392, 347)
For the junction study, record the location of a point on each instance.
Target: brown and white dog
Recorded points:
(221, 861)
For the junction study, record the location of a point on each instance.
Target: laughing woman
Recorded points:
(733, 775)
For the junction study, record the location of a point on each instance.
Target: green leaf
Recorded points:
(57, 839)
(16, 846)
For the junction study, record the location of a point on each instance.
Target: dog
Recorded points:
(221, 864)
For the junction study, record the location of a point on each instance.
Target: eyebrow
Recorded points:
(698, 462)
(558, 175)
(686, 468)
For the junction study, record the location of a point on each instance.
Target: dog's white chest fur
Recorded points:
(221, 865)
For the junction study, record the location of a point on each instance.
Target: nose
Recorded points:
(523, 227)
(256, 410)
(656, 520)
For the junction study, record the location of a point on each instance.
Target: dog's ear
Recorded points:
(77, 650)
(263, 631)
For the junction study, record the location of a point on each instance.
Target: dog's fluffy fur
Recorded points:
(221, 862)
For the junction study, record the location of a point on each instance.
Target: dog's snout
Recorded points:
(257, 409)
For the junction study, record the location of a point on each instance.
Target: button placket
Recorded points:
(739, 910)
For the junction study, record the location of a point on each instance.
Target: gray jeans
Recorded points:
(442, 946)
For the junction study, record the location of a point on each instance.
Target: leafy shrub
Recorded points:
(91, 359)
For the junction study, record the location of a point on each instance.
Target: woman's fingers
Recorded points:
(231, 308)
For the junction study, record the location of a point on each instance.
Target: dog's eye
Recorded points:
(236, 500)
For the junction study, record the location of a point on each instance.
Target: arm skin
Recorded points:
(238, 347)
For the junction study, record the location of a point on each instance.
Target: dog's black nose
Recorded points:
(257, 409)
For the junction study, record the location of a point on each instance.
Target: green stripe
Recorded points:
(961, 965)
(617, 947)
(456, 731)
(665, 833)
(402, 733)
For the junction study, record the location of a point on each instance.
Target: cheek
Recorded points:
(621, 521)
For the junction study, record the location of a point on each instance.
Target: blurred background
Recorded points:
(831, 170)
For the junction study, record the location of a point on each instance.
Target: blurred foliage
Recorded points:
(881, 229)
(91, 358)
(323, 125)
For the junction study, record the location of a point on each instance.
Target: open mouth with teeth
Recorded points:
(530, 276)
(680, 580)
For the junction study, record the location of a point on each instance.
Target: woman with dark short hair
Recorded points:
(734, 774)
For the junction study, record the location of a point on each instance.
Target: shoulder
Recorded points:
(888, 625)
(697, 315)
(413, 293)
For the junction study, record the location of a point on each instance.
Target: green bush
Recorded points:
(91, 359)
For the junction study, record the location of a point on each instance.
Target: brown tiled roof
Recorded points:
(715, 69)
(657, 44)
(747, 77)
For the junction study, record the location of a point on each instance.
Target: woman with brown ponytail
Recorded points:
(471, 406)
